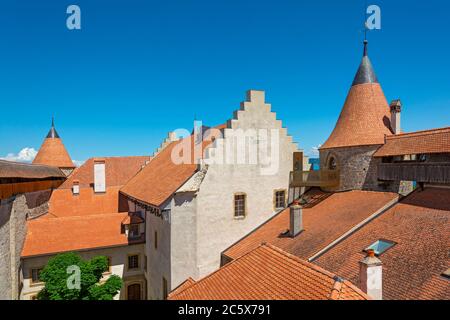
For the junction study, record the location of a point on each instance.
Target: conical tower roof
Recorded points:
(53, 152)
(365, 117)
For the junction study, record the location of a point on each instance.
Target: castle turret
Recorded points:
(54, 153)
(360, 130)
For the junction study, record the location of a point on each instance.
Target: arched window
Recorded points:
(332, 163)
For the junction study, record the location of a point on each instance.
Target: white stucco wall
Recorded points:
(213, 228)
(119, 262)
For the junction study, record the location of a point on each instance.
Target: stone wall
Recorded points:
(13, 215)
(358, 168)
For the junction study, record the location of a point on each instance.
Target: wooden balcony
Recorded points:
(316, 178)
(429, 172)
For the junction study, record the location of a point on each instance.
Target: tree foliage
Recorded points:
(56, 276)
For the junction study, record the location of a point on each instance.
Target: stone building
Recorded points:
(196, 209)
(53, 153)
(24, 193)
(363, 124)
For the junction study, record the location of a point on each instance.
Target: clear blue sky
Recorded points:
(139, 69)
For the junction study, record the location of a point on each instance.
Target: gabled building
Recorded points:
(87, 215)
(53, 152)
(197, 207)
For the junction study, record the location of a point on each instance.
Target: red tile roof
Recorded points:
(64, 204)
(118, 171)
(412, 268)
(364, 119)
(268, 273)
(429, 141)
(49, 236)
(332, 216)
(162, 176)
(53, 153)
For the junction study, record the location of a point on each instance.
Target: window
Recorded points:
(133, 261)
(165, 289)
(35, 273)
(280, 199)
(380, 246)
(332, 163)
(134, 231)
(156, 240)
(239, 205)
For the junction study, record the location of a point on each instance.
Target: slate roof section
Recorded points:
(419, 142)
(413, 267)
(268, 273)
(325, 221)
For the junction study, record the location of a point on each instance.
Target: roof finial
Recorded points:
(366, 27)
(53, 122)
(365, 47)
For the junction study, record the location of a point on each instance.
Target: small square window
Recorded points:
(280, 199)
(134, 231)
(239, 205)
(380, 246)
(133, 262)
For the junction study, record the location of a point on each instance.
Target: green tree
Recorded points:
(56, 276)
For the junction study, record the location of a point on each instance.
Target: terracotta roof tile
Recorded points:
(412, 268)
(364, 119)
(118, 171)
(429, 141)
(53, 153)
(324, 221)
(162, 177)
(64, 204)
(48, 236)
(268, 273)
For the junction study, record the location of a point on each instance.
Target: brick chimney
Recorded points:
(396, 109)
(76, 187)
(371, 275)
(99, 176)
(296, 220)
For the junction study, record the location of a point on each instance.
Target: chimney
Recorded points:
(99, 176)
(396, 109)
(371, 275)
(76, 187)
(296, 220)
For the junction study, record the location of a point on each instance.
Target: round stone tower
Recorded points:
(360, 130)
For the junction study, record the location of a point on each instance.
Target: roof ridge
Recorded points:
(419, 133)
(77, 217)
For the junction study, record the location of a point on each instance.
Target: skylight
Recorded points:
(380, 246)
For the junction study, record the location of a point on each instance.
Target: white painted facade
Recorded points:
(119, 266)
(199, 221)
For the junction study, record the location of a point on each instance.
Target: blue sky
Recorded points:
(138, 69)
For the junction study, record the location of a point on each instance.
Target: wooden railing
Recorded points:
(316, 178)
(431, 172)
